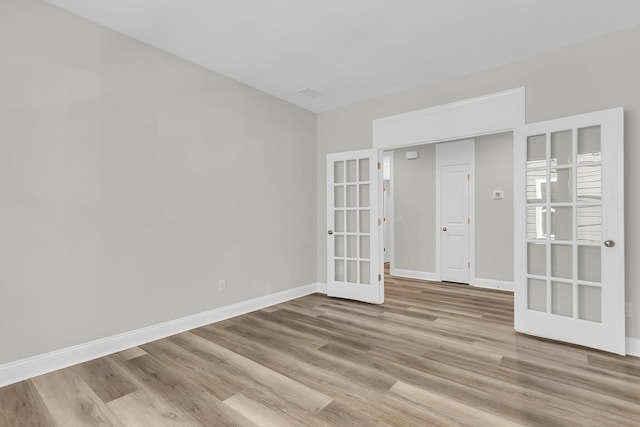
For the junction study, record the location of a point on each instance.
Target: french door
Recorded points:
(353, 245)
(570, 276)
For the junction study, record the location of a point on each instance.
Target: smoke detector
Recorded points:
(307, 91)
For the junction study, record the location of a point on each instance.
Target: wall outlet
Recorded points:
(627, 309)
(222, 285)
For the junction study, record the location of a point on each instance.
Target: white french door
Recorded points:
(570, 274)
(353, 244)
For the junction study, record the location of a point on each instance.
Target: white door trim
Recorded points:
(448, 154)
(493, 113)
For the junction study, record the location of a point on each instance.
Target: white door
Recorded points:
(353, 245)
(570, 232)
(454, 162)
(454, 203)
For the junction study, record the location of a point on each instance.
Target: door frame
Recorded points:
(446, 159)
(489, 114)
(389, 212)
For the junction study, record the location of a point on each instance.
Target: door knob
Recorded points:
(330, 232)
(444, 228)
(609, 243)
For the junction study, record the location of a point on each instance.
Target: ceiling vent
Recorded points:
(307, 91)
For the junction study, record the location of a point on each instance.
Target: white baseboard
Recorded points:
(492, 284)
(322, 288)
(633, 347)
(20, 370)
(414, 274)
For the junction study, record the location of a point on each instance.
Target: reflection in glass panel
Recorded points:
(562, 299)
(352, 271)
(561, 185)
(537, 295)
(365, 247)
(562, 261)
(364, 221)
(352, 173)
(589, 145)
(590, 183)
(338, 223)
(589, 263)
(537, 151)
(590, 303)
(339, 271)
(561, 223)
(386, 167)
(536, 223)
(338, 172)
(339, 246)
(352, 247)
(537, 259)
(561, 144)
(589, 223)
(338, 196)
(352, 196)
(364, 195)
(365, 273)
(364, 170)
(352, 222)
(536, 186)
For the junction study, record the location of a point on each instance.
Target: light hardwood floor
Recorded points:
(433, 354)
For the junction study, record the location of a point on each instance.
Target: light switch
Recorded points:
(498, 194)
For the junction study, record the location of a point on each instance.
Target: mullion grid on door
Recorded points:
(553, 242)
(357, 208)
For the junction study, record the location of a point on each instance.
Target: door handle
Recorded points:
(444, 228)
(330, 232)
(609, 243)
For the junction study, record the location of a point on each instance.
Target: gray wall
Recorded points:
(414, 194)
(494, 218)
(593, 75)
(132, 181)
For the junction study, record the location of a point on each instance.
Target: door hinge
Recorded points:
(468, 177)
(469, 264)
(379, 277)
(468, 220)
(379, 221)
(379, 166)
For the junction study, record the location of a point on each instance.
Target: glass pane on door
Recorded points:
(351, 213)
(564, 222)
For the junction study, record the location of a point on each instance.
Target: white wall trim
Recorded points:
(633, 347)
(501, 285)
(492, 113)
(415, 274)
(321, 288)
(20, 370)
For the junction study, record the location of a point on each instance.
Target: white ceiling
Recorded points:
(352, 50)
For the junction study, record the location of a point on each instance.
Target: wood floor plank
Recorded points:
(144, 409)
(168, 383)
(295, 391)
(22, 405)
(448, 409)
(72, 402)
(105, 379)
